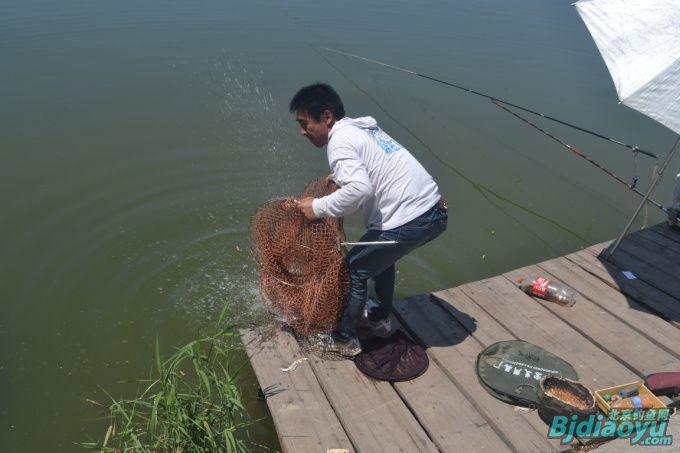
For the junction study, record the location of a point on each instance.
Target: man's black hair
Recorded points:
(316, 98)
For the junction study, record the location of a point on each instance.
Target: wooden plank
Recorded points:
(443, 410)
(647, 272)
(596, 249)
(665, 251)
(582, 354)
(303, 418)
(636, 260)
(454, 351)
(638, 290)
(372, 413)
(670, 248)
(615, 304)
(664, 229)
(660, 229)
(637, 352)
(480, 325)
(522, 316)
(664, 255)
(529, 321)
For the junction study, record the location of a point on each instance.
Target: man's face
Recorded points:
(315, 131)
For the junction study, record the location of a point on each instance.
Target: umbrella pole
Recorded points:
(608, 253)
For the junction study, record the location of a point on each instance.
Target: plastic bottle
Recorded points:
(548, 290)
(629, 392)
(625, 393)
(643, 401)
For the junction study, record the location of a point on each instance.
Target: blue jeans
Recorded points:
(377, 262)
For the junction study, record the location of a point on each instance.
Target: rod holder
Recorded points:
(609, 252)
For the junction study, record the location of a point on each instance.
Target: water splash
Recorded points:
(252, 122)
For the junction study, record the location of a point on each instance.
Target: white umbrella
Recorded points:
(640, 43)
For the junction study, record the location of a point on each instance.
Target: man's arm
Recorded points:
(355, 186)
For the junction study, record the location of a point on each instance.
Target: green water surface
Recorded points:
(138, 137)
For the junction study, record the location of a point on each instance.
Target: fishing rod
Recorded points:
(633, 148)
(579, 153)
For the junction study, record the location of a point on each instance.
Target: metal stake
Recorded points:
(352, 244)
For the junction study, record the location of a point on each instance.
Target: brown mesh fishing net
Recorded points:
(303, 275)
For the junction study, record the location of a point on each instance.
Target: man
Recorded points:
(399, 199)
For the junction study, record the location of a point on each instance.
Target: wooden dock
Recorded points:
(619, 330)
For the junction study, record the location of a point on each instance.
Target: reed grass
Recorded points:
(191, 403)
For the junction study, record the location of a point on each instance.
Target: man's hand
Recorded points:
(305, 205)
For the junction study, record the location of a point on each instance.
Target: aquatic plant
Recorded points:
(192, 403)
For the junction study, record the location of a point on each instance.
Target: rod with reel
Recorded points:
(504, 105)
(579, 153)
(633, 148)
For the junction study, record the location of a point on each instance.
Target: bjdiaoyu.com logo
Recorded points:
(641, 427)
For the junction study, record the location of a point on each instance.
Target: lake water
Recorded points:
(138, 138)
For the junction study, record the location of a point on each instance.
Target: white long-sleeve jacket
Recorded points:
(376, 173)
